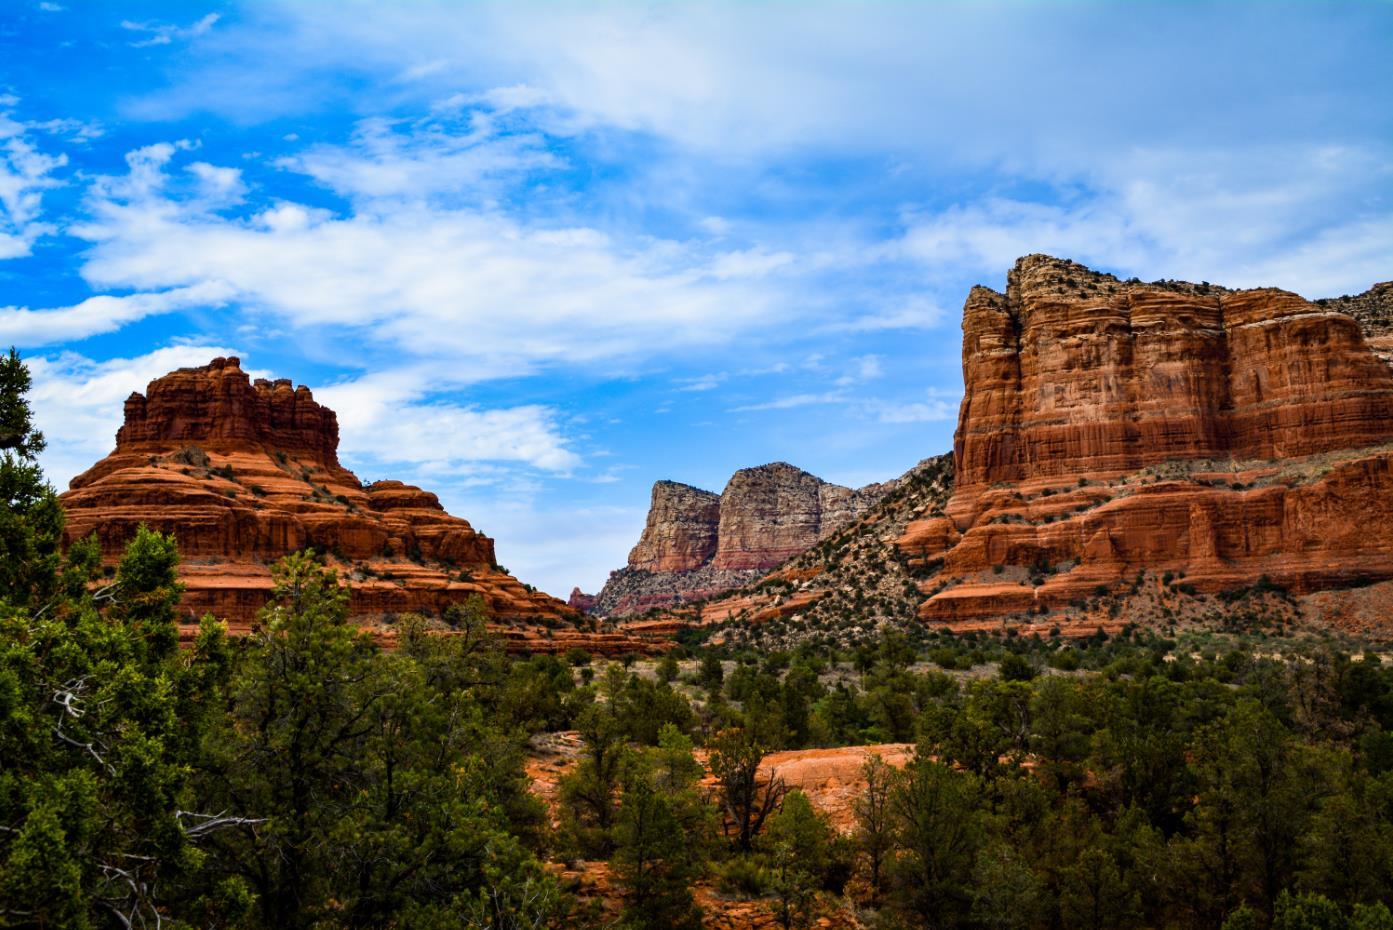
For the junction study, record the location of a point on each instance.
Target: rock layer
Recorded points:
(681, 532)
(1110, 427)
(697, 544)
(243, 474)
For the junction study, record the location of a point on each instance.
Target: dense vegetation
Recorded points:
(303, 777)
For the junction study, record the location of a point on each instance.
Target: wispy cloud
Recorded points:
(390, 418)
(791, 401)
(425, 158)
(26, 173)
(20, 326)
(490, 293)
(167, 33)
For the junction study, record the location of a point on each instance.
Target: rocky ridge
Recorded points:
(851, 587)
(697, 544)
(244, 473)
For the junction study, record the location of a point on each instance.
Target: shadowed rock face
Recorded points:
(243, 474)
(697, 544)
(1108, 427)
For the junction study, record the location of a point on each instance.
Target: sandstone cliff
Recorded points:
(1126, 453)
(243, 474)
(1110, 428)
(697, 544)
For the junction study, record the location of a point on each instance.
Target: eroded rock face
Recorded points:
(1110, 427)
(697, 544)
(1373, 309)
(681, 531)
(243, 474)
(580, 601)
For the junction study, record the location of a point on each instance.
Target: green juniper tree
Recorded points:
(98, 823)
(662, 836)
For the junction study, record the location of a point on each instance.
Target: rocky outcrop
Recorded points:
(580, 601)
(1374, 311)
(681, 532)
(243, 474)
(697, 544)
(849, 589)
(771, 513)
(1110, 428)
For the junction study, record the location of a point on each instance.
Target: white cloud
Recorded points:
(472, 286)
(23, 327)
(389, 419)
(1229, 217)
(78, 402)
(864, 368)
(739, 77)
(916, 412)
(387, 158)
(796, 400)
(749, 263)
(25, 173)
(708, 382)
(914, 312)
(223, 185)
(167, 33)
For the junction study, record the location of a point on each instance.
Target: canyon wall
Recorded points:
(697, 544)
(1110, 427)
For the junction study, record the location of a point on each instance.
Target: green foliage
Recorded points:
(662, 836)
(97, 821)
(378, 786)
(940, 830)
(798, 842)
(747, 796)
(590, 794)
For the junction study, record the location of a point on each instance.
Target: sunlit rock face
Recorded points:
(1109, 427)
(697, 544)
(244, 473)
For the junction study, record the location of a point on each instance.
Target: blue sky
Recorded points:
(538, 256)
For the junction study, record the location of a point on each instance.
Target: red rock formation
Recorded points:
(772, 513)
(681, 531)
(580, 601)
(697, 544)
(1110, 427)
(243, 474)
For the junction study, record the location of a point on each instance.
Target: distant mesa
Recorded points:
(243, 474)
(697, 544)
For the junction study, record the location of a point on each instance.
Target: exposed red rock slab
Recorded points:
(833, 778)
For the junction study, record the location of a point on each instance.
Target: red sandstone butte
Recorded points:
(243, 474)
(1109, 427)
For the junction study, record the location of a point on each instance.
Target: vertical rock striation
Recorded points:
(1109, 427)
